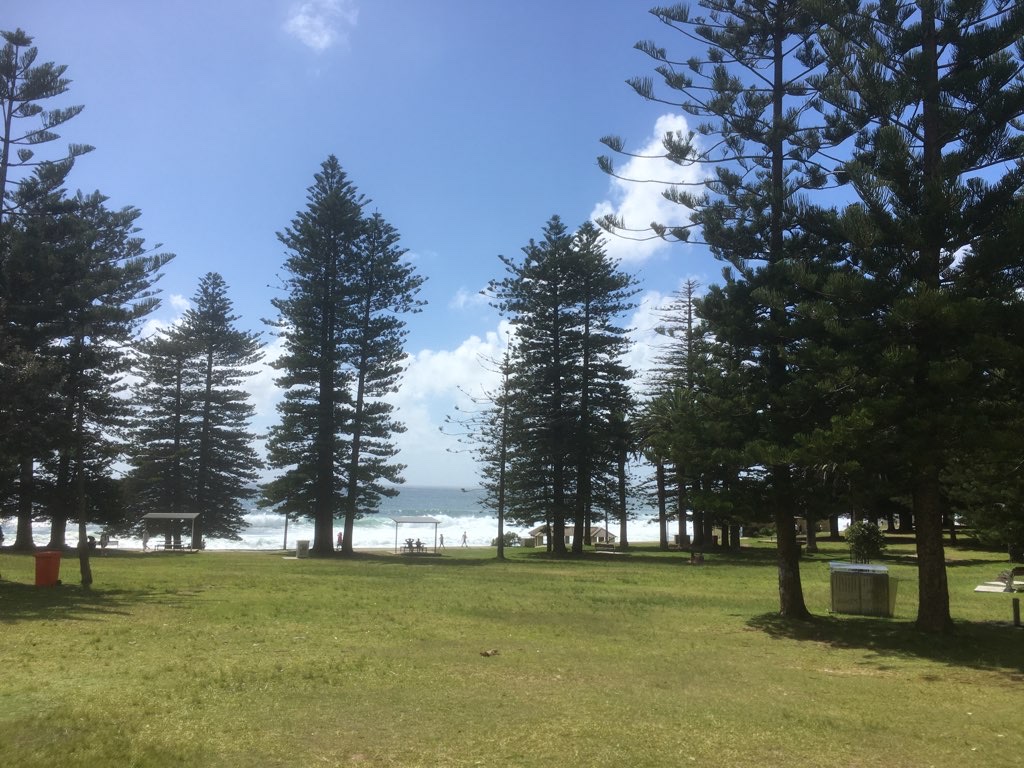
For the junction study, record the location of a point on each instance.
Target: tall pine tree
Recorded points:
(31, 194)
(226, 463)
(567, 377)
(107, 287)
(382, 289)
(346, 290)
(933, 94)
(750, 92)
(193, 452)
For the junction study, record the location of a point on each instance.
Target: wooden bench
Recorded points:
(604, 546)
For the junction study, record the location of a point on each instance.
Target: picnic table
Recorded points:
(172, 547)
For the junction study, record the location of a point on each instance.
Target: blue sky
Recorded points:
(468, 124)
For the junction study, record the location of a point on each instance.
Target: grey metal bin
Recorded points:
(866, 590)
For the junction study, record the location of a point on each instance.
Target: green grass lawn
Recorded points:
(250, 659)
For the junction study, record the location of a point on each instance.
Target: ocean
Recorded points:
(458, 511)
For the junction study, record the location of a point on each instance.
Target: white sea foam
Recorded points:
(456, 510)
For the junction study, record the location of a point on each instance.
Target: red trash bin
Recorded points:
(47, 568)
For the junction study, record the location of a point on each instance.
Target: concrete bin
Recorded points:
(862, 589)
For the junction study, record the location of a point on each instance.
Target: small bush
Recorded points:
(866, 541)
(511, 540)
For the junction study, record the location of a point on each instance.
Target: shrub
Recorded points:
(866, 541)
(511, 540)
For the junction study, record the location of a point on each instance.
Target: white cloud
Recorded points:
(176, 302)
(640, 202)
(319, 24)
(470, 367)
(438, 384)
(179, 302)
(264, 394)
(647, 344)
(464, 299)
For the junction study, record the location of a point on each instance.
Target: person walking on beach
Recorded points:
(465, 541)
(341, 538)
(441, 547)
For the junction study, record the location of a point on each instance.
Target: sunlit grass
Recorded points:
(246, 659)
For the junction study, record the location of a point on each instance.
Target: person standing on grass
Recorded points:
(341, 538)
(465, 541)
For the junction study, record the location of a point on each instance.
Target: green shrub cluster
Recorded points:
(866, 541)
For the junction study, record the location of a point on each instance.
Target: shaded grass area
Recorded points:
(250, 659)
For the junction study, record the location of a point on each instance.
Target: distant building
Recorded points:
(598, 535)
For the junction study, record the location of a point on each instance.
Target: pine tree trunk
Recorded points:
(905, 522)
(791, 595)
(581, 518)
(206, 437)
(503, 465)
(623, 538)
(558, 513)
(681, 504)
(812, 535)
(709, 530)
(324, 484)
(659, 475)
(84, 565)
(66, 493)
(26, 486)
(58, 530)
(932, 588)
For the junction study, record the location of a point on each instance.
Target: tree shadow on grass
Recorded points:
(988, 646)
(646, 555)
(427, 559)
(23, 602)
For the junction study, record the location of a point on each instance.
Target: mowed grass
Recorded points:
(250, 659)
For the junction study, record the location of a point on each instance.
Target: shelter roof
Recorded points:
(416, 519)
(170, 516)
